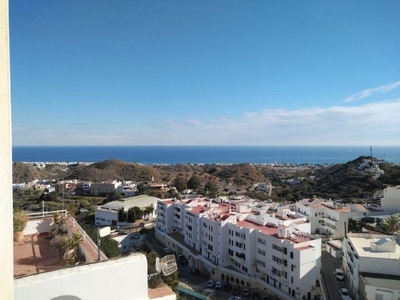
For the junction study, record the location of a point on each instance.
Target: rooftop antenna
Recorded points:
(167, 265)
(370, 152)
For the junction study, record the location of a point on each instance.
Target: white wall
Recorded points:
(6, 205)
(122, 279)
(391, 199)
(372, 291)
(379, 265)
(38, 226)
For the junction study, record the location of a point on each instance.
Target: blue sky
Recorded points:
(205, 72)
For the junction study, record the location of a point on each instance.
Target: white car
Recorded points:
(339, 274)
(344, 293)
(209, 283)
(246, 292)
(234, 298)
(218, 284)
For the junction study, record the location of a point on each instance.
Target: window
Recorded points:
(261, 241)
(291, 254)
(262, 252)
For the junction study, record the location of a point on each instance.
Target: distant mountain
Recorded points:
(344, 181)
(116, 169)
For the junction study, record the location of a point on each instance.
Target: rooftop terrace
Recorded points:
(35, 255)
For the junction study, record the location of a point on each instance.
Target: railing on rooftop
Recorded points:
(44, 214)
(88, 245)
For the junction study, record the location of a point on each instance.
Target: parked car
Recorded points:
(234, 298)
(218, 284)
(246, 292)
(210, 283)
(339, 274)
(344, 293)
(195, 271)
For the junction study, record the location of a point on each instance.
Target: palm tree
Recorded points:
(70, 247)
(392, 223)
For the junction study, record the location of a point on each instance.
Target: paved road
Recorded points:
(329, 264)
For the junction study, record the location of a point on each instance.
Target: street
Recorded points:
(329, 264)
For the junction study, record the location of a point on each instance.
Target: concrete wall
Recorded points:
(387, 294)
(379, 265)
(38, 226)
(391, 199)
(6, 196)
(122, 279)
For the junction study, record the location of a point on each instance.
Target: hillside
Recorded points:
(28, 172)
(346, 181)
(116, 169)
(340, 181)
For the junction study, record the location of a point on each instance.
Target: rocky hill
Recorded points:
(118, 170)
(347, 181)
(343, 181)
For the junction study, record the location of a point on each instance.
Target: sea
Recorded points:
(318, 155)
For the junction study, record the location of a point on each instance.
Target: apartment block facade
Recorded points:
(328, 217)
(246, 243)
(372, 265)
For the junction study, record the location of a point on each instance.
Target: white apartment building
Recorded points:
(372, 265)
(328, 217)
(246, 244)
(391, 199)
(107, 214)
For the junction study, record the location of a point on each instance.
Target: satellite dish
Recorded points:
(167, 265)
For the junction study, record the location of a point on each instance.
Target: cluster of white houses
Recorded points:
(249, 243)
(277, 248)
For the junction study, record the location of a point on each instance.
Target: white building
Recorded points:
(372, 265)
(328, 217)
(107, 214)
(391, 199)
(99, 188)
(245, 243)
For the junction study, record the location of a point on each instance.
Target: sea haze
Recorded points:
(203, 154)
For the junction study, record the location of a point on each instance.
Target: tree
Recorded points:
(180, 183)
(212, 189)
(148, 210)
(138, 212)
(121, 215)
(392, 223)
(194, 182)
(112, 196)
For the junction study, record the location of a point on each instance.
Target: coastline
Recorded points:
(171, 155)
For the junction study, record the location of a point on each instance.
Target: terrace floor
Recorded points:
(35, 255)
